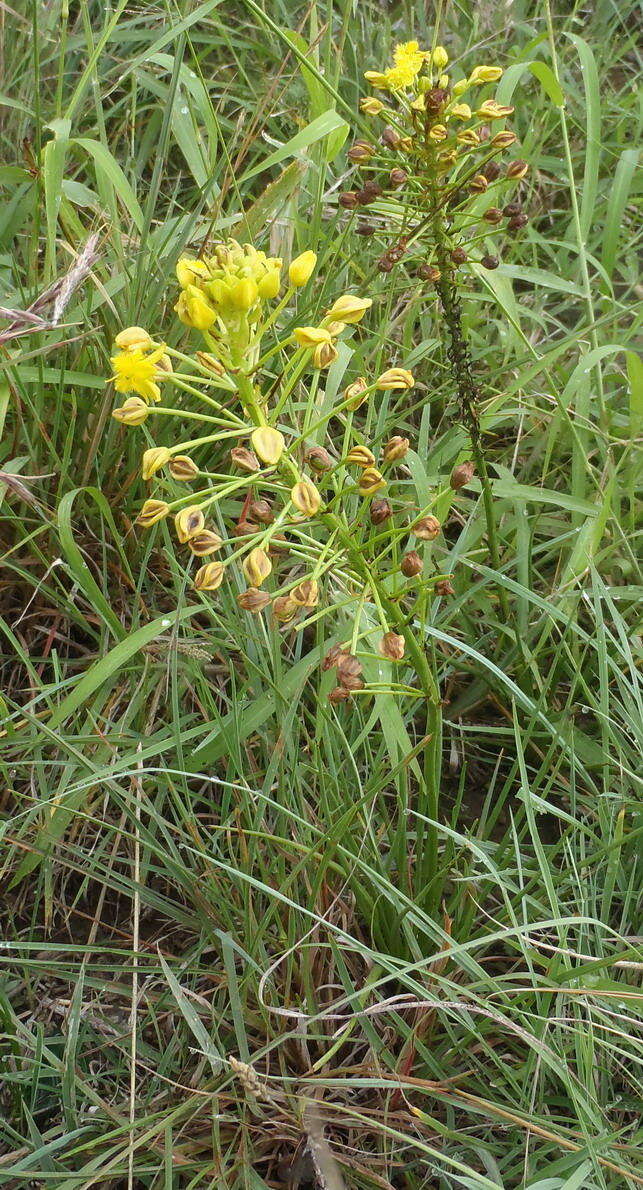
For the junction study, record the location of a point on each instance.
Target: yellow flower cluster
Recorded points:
(232, 282)
(139, 365)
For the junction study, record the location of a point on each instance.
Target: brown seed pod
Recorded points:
(461, 475)
(397, 178)
(490, 262)
(435, 99)
(493, 215)
(518, 221)
(253, 600)
(318, 459)
(205, 543)
(443, 587)
(458, 256)
(517, 169)
(333, 656)
(511, 209)
(391, 646)
(491, 171)
(349, 671)
(428, 272)
(244, 459)
(396, 448)
(306, 594)
(380, 511)
(284, 609)
(479, 184)
(360, 151)
(349, 200)
(339, 694)
(261, 510)
(385, 264)
(427, 528)
(504, 139)
(391, 138)
(365, 229)
(411, 564)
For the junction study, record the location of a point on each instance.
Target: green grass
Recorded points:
(201, 859)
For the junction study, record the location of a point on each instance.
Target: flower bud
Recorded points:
(306, 594)
(257, 566)
(427, 528)
(380, 511)
(458, 256)
(244, 293)
(205, 543)
(411, 564)
(504, 139)
(485, 74)
(210, 363)
(395, 449)
(318, 459)
(134, 337)
(305, 497)
(270, 284)
(188, 522)
(284, 609)
(490, 262)
(395, 378)
(371, 106)
(244, 459)
(493, 215)
(439, 58)
(428, 272)
(360, 151)
(370, 481)
(268, 444)
(302, 268)
(153, 459)
(190, 272)
(443, 587)
(360, 456)
(391, 646)
(253, 600)
(194, 310)
(183, 468)
(261, 510)
(349, 200)
(209, 577)
(132, 412)
(355, 394)
(461, 475)
(397, 178)
(324, 355)
(349, 309)
(151, 512)
(478, 184)
(517, 169)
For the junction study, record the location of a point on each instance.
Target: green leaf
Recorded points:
(111, 171)
(593, 131)
(192, 1018)
(548, 81)
(635, 377)
(618, 197)
(322, 126)
(77, 564)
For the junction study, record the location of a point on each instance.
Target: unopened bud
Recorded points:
(391, 646)
(411, 564)
(461, 475)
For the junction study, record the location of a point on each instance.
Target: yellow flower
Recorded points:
(268, 444)
(490, 110)
(153, 459)
(256, 567)
(194, 310)
(190, 272)
(305, 497)
(302, 268)
(132, 412)
(188, 522)
(151, 512)
(209, 577)
(485, 74)
(134, 336)
(439, 58)
(135, 372)
(349, 309)
(459, 111)
(395, 378)
(438, 133)
(409, 60)
(269, 285)
(371, 106)
(244, 293)
(311, 336)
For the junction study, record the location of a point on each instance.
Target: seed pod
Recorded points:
(339, 694)
(261, 510)
(395, 378)
(333, 656)
(371, 106)
(391, 646)
(365, 197)
(257, 566)
(306, 593)
(372, 187)
(354, 395)
(360, 151)
(435, 99)
(209, 577)
(461, 475)
(205, 543)
(493, 215)
(443, 587)
(411, 564)
(385, 264)
(349, 670)
(210, 363)
(278, 544)
(490, 262)
(491, 171)
(380, 511)
(395, 449)
(305, 497)
(188, 522)
(348, 199)
(324, 355)
(268, 444)
(396, 253)
(183, 468)
(245, 529)
(427, 528)
(360, 456)
(517, 221)
(370, 481)
(479, 184)
(397, 178)
(284, 609)
(151, 512)
(318, 459)
(511, 209)
(458, 256)
(153, 459)
(253, 600)
(244, 459)
(428, 272)
(391, 138)
(133, 412)
(365, 229)
(517, 169)
(504, 139)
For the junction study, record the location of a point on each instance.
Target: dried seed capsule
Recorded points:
(391, 138)
(284, 609)
(365, 229)
(385, 264)
(517, 221)
(427, 528)
(245, 529)
(360, 456)
(349, 200)
(318, 459)
(244, 459)
(151, 512)
(257, 566)
(458, 256)
(517, 169)
(491, 171)
(360, 151)
(504, 139)
(333, 656)
(349, 671)
(209, 577)
(210, 363)
(461, 475)
(278, 544)
(370, 481)
(511, 209)
(205, 543)
(411, 564)
(443, 587)
(188, 522)
(380, 511)
(391, 646)
(268, 444)
(490, 262)
(339, 694)
(133, 412)
(428, 272)
(261, 510)
(395, 449)
(365, 196)
(253, 600)
(397, 178)
(479, 184)
(435, 99)
(183, 468)
(355, 394)
(305, 497)
(306, 593)
(493, 215)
